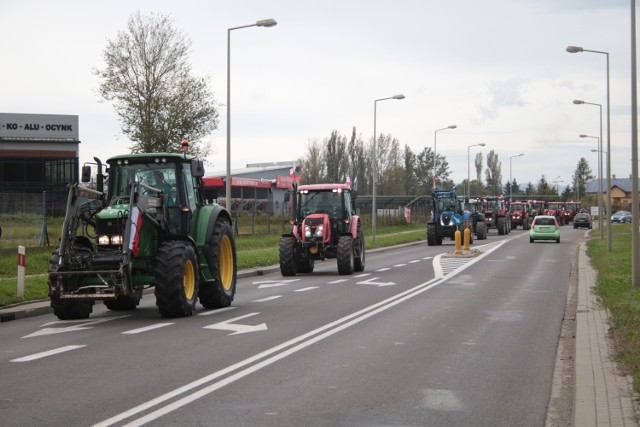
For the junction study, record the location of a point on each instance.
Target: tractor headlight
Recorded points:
(109, 240)
(318, 232)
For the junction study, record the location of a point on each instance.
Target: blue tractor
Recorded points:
(448, 217)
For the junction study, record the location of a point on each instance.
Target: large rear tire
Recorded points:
(432, 235)
(481, 230)
(502, 226)
(221, 291)
(345, 255)
(177, 278)
(359, 260)
(287, 256)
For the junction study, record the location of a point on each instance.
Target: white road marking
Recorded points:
(362, 275)
(378, 284)
(269, 356)
(83, 324)
(414, 261)
(238, 328)
(338, 281)
(146, 328)
(267, 298)
(47, 353)
(216, 311)
(273, 283)
(400, 265)
(384, 269)
(306, 289)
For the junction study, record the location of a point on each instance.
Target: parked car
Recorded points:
(582, 220)
(621, 216)
(544, 227)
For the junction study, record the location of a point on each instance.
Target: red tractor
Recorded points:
(496, 214)
(325, 226)
(519, 215)
(556, 209)
(538, 207)
(571, 209)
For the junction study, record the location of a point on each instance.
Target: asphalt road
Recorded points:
(417, 339)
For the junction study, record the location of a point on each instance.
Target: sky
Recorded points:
(497, 69)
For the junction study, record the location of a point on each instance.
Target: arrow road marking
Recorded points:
(83, 324)
(237, 328)
(371, 282)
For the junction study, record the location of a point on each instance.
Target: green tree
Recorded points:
(313, 164)
(148, 78)
(336, 159)
(357, 162)
(544, 189)
(423, 172)
(493, 173)
(580, 178)
(409, 180)
(477, 189)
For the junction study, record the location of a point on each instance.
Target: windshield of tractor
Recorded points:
(516, 207)
(162, 177)
(326, 201)
(447, 205)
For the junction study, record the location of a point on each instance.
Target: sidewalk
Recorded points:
(603, 397)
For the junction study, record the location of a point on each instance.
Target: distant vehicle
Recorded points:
(621, 217)
(582, 220)
(544, 227)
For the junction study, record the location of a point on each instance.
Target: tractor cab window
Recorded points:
(190, 185)
(326, 202)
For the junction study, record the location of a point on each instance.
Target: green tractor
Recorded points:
(150, 227)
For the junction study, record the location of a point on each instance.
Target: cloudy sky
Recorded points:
(497, 69)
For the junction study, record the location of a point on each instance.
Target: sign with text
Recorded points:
(39, 126)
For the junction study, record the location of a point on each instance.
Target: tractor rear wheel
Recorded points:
(287, 256)
(502, 226)
(481, 230)
(220, 292)
(176, 279)
(345, 255)
(360, 252)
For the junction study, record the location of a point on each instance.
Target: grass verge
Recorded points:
(615, 292)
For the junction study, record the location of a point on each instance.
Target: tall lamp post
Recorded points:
(510, 180)
(599, 150)
(374, 216)
(482, 144)
(635, 208)
(261, 23)
(576, 49)
(435, 157)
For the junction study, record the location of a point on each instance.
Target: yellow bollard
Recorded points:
(467, 239)
(458, 246)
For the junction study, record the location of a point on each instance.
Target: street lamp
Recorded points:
(374, 216)
(261, 23)
(557, 182)
(435, 135)
(482, 144)
(599, 150)
(510, 183)
(576, 49)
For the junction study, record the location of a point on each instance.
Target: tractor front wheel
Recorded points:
(287, 253)
(220, 292)
(67, 309)
(176, 279)
(481, 230)
(359, 255)
(345, 255)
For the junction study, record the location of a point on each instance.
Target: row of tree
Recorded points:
(400, 171)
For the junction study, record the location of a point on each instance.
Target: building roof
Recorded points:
(625, 184)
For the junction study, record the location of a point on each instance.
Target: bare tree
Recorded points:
(478, 164)
(149, 80)
(313, 170)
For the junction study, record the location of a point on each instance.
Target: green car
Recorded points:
(544, 227)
